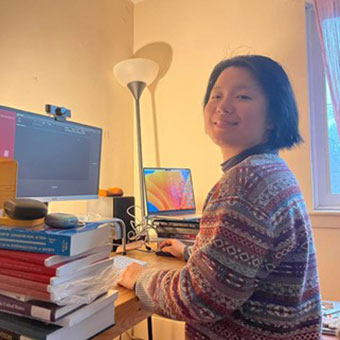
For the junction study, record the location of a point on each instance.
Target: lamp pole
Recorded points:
(136, 73)
(136, 88)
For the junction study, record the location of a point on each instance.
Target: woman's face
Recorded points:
(235, 116)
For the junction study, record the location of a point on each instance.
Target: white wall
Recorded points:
(62, 52)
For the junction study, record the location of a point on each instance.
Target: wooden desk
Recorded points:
(128, 308)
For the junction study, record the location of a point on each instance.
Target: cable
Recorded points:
(140, 229)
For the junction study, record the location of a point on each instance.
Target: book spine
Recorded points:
(176, 224)
(177, 236)
(186, 242)
(26, 291)
(172, 230)
(47, 279)
(24, 283)
(27, 267)
(10, 305)
(23, 256)
(10, 335)
(47, 244)
(56, 241)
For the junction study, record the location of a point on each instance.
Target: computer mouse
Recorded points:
(160, 252)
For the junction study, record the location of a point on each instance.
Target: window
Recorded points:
(325, 142)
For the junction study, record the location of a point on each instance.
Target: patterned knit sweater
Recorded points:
(252, 272)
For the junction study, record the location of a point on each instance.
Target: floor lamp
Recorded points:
(136, 74)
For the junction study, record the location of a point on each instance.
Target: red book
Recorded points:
(29, 284)
(61, 269)
(41, 291)
(54, 280)
(28, 292)
(47, 259)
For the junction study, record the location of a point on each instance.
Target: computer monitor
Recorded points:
(56, 160)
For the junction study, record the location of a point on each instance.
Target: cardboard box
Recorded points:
(8, 180)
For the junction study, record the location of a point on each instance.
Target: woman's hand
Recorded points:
(129, 276)
(174, 247)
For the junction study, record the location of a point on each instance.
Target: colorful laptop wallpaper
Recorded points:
(168, 190)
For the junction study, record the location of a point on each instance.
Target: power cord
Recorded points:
(140, 228)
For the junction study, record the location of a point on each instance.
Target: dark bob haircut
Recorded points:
(282, 108)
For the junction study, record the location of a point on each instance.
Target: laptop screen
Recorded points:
(169, 190)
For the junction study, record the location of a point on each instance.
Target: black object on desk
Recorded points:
(25, 209)
(160, 252)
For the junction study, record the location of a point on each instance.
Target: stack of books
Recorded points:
(330, 317)
(184, 231)
(56, 283)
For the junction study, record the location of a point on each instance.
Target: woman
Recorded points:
(252, 272)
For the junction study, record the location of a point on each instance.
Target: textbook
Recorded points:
(43, 310)
(31, 281)
(188, 237)
(87, 310)
(48, 259)
(175, 223)
(52, 293)
(330, 317)
(19, 327)
(61, 269)
(34, 294)
(50, 279)
(62, 315)
(174, 231)
(67, 242)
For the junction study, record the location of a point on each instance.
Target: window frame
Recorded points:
(323, 198)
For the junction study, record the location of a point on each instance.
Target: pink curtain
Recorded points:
(328, 22)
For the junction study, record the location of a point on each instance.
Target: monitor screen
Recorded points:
(169, 190)
(56, 160)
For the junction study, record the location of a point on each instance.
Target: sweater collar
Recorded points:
(255, 150)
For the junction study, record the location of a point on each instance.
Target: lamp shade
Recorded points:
(136, 69)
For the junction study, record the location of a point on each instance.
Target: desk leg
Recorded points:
(150, 337)
(128, 314)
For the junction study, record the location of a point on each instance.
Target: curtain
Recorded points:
(328, 23)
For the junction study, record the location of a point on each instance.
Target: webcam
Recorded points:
(60, 113)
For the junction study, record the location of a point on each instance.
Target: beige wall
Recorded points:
(200, 33)
(62, 52)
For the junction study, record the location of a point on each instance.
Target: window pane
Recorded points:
(333, 145)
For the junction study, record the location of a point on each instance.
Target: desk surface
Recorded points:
(128, 308)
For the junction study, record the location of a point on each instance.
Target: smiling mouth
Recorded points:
(220, 123)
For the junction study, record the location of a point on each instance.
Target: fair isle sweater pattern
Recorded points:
(252, 272)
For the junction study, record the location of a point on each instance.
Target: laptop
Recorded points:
(170, 194)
